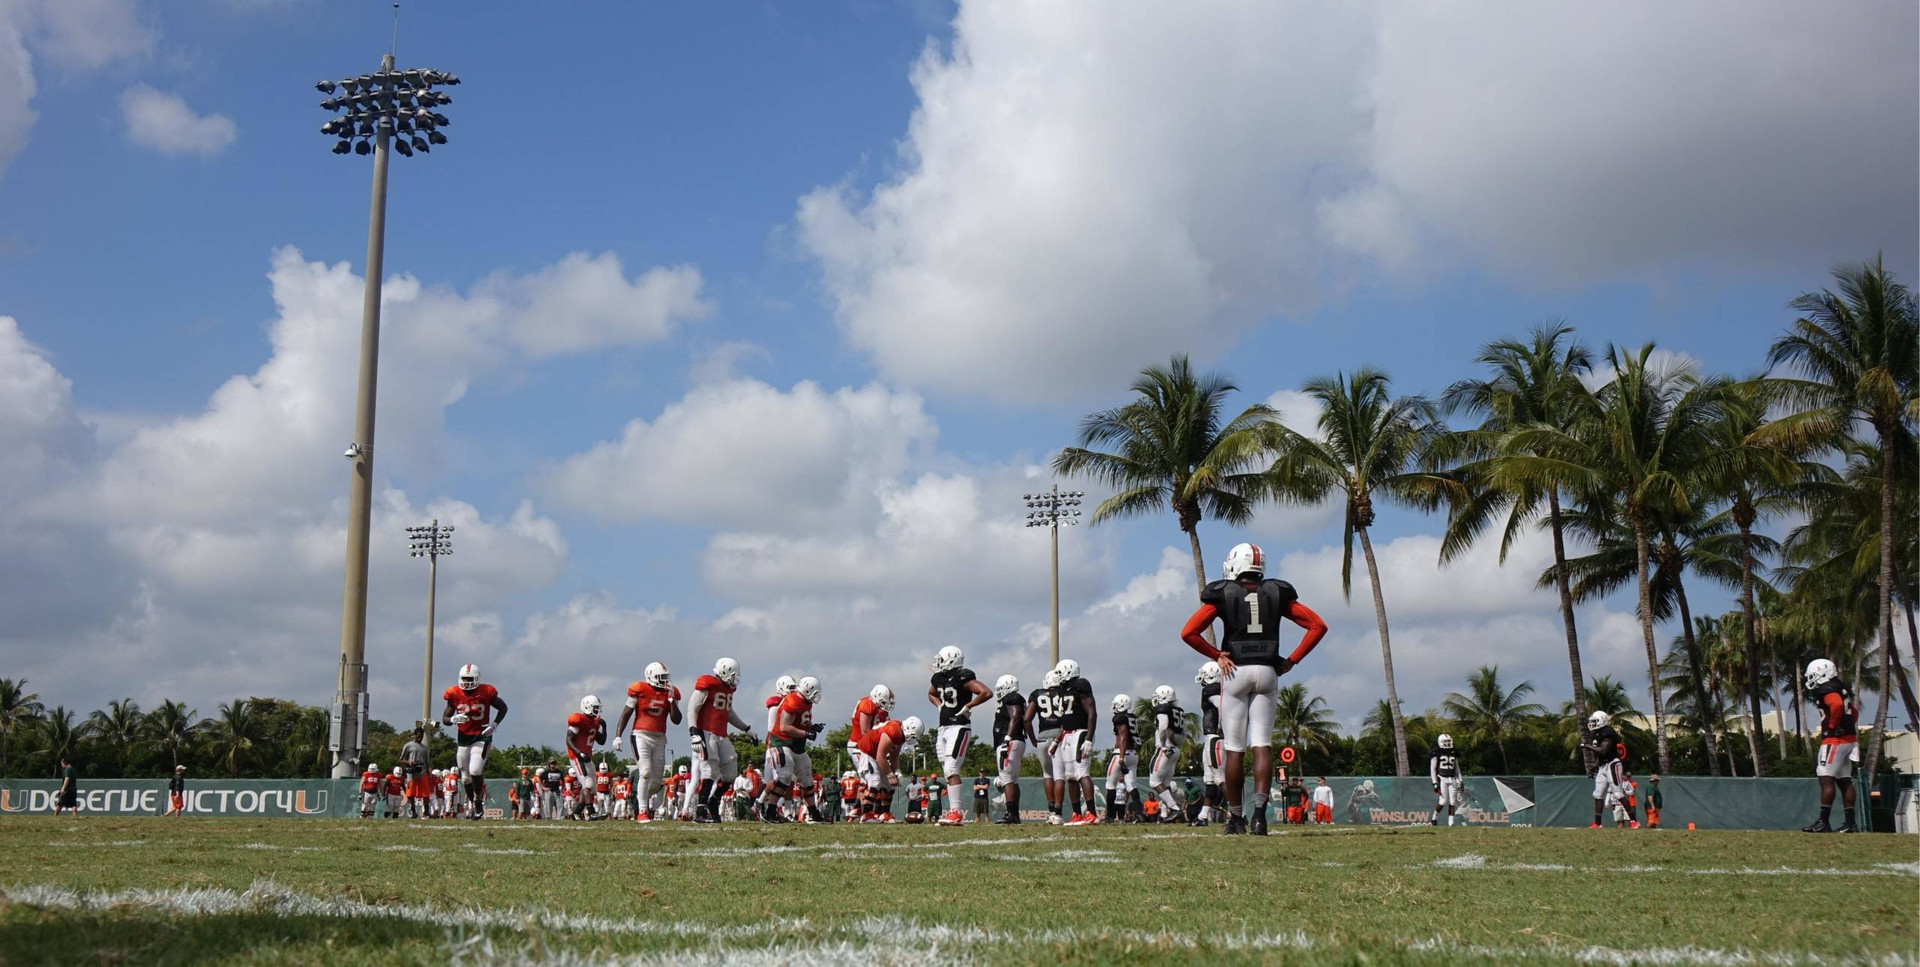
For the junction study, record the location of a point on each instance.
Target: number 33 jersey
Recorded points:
(951, 694)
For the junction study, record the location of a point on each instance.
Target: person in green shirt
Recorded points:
(523, 795)
(69, 795)
(1654, 802)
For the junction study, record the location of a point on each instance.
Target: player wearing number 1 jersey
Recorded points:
(713, 713)
(652, 702)
(955, 690)
(470, 708)
(1249, 606)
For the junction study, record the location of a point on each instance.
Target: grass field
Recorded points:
(104, 890)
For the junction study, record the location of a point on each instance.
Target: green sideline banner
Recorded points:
(317, 798)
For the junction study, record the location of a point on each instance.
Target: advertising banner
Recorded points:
(316, 798)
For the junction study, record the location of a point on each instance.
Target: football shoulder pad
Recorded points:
(1282, 589)
(1215, 593)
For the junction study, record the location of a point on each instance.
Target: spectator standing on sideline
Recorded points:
(413, 758)
(1653, 801)
(68, 798)
(982, 796)
(177, 792)
(1629, 791)
(550, 790)
(1323, 802)
(916, 794)
(523, 795)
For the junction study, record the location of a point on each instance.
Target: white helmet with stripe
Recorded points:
(1244, 559)
(656, 674)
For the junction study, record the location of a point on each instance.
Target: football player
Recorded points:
(956, 691)
(782, 687)
(872, 710)
(585, 731)
(1073, 700)
(371, 786)
(1839, 742)
(881, 759)
(1444, 771)
(1123, 765)
(1213, 761)
(850, 797)
(396, 788)
(470, 707)
(713, 712)
(603, 792)
(652, 702)
(1043, 724)
(1169, 730)
(1607, 749)
(787, 760)
(1250, 606)
(1010, 742)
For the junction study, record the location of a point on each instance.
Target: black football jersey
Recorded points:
(1250, 618)
(1046, 715)
(1605, 743)
(950, 693)
(1176, 722)
(1075, 699)
(1446, 763)
(1010, 719)
(1210, 709)
(1124, 720)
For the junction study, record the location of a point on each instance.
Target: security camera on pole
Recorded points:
(374, 110)
(431, 541)
(1050, 510)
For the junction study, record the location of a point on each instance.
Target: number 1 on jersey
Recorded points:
(1254, 625)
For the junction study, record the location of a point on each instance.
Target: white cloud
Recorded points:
(78, 35)
(164, 123)
(1079, 193)
(585, 302)
(746, 454)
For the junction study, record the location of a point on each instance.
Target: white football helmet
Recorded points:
(1598, 719)
(948, 659)
(1122, 702)
(683, 770)
(1164, 695)
(1007, 685)
(590, 705)
(1446, 741)
(1051, 679)
(397, 770)
(727, 670)
(656, 675)
(847, 774)
(809, 688)
(882, 696)
(785, 684)
(1209, 674)
(373, 767)
(1244, 559)
(1821, 671)
(469, 677)
(911, 727)
(1068, 669)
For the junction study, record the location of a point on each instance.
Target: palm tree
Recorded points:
(19, 709)
(60, 734)
(1367, 440)
(1303, 721)
(1856, 355)
(118, 726)
(232, 730)
(171, 726)
(1648, 433)
(1169, 448)
(1537, 382)
(1490, 710)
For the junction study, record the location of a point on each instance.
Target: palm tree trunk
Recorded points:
(1779, 709)
(1653, 657)
(1748, 620)
(1199, 571)
(1702, 693)
(1386, 657)
(1566, 618)
(1799, 704)
(1885, 628)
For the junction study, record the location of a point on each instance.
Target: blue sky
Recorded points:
(919, 239)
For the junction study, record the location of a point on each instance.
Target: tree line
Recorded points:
(1644, 471)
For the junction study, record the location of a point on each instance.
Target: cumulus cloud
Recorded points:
(743, 453)
(77, 35)
(1080, 191)
(164, 123)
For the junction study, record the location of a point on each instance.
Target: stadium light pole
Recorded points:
(431, 541)
(1050, 509)
(397, 108)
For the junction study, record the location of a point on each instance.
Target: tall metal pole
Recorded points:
(1050, 510)
(430, 541)
(1056, 583)
(426, 680)
(352, 698)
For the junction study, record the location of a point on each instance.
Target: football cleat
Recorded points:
(1848, 827)
(643, 817)
(1595, 826)
(1817, 826)
(1236, 826)
(727, 670)
(656, 675)
(948, 659)
(1244, 559)
(1633, 824)
(1258, 824)
(952, 818)
(1053, 819)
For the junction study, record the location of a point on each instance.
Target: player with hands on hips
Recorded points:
(1250, 606)
(713, 713)
(471, 705)
(956, 691)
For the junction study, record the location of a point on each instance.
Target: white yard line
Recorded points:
(1474, 861)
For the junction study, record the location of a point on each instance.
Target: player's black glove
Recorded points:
(814, 731)
(1282, 665)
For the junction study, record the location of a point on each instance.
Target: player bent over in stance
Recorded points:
(713, 712)
(880, 759)
(1124, 764)
(872, 710)
(1608, 750)
(470, 708)
(1839, 742)
(651, 703)
(1169, 730)
(1444, 771)
(955, 690)
(1073, 702)
(1009, 743)
(1250, 606)
(788, 764)
(1043, 725)
(585, 731)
